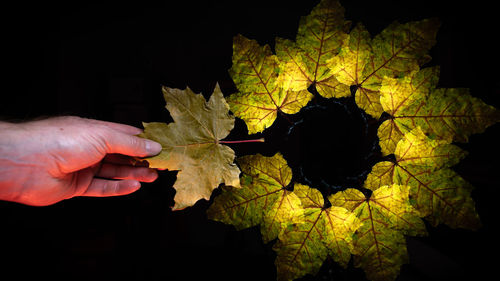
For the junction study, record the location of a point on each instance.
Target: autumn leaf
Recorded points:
(262, 200)
(261, 96)
(364, 62)
(304, 62)
(437, 192)
(191, 144)
(448, 114)
(349, 65)
(386, 216)
(307, 232)
(304, 245)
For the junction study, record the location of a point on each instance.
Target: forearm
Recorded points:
(22, 159)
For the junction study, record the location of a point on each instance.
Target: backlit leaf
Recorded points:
(319, 38)
(438, 193)
(416, 150)
(304, 245)
(262, 200)
(255, 72)
(364, 62)
(349, 65)
(379, 244)
(294, 73)
(448, 114)
(191, 144)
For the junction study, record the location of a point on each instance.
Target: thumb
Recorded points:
(121, 143)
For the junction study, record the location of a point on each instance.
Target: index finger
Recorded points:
(125, 144)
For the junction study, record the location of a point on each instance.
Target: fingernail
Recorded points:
(153, 147)
(152, 175)
(135, 184)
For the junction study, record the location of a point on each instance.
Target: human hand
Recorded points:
(44, 162)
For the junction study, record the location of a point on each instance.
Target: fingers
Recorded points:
(112, 180)
(125, 144)
(104, 188)
(112, 171)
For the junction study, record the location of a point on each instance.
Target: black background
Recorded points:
(108, 61)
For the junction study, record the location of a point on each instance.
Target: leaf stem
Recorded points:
(243, 141)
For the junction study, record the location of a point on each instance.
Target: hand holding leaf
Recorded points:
(191, 144)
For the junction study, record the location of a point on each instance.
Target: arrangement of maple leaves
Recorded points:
(368, 222)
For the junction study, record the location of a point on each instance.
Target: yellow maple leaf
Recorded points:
(438, 193)
(191, 144)
(448, 114)
(304, 245)
(363, 62)
(379, 246)
(261, 97)
(319, 38)
(262, 200)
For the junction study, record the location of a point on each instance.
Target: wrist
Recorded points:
(11, 181)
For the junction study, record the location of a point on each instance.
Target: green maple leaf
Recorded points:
(319, 38)
(262, 200)
(191, 144)
(438, 193)
(379, 246)
(307, 232)
(398, 50)
(320, 232)
(261, 96)
(448, 114)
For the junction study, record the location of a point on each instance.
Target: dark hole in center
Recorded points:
(330, 146)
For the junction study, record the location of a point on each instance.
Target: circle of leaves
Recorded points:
(417, 123)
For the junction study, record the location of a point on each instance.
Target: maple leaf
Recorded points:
(437, 192)
(262, 200)
(379, 246)
(191, 144)
(364, 62)
(261, 96)
(320, 232)
(448, 114)
(307, 232)
(319, 38)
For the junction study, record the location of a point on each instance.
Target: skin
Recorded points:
(46, 161)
